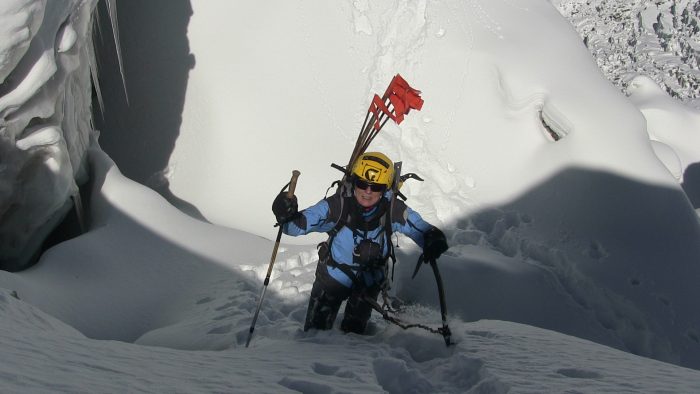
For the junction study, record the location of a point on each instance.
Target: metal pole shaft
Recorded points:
(264, 288)
(290, 194)
(443, 304)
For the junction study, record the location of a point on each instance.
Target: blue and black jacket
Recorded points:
(356, 226)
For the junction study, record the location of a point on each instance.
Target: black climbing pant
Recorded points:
(327, 295)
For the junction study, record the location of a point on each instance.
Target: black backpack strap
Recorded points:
(341, 212)
(339, 208)
(396, 213)
(344, 268)
(388, 232)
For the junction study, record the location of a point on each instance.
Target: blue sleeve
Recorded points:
(407, 221)
(311, 219)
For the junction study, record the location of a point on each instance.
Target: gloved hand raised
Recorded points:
(284, 208)
(434, 244)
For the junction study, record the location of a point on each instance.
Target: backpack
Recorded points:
(344, 218)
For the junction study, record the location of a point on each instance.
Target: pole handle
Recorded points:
(293, 183)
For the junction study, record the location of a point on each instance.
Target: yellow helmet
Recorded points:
(374, 167)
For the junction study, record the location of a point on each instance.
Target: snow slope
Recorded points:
(530, 155)
(188, 326)
(573, 245)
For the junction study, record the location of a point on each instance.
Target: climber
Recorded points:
(352, 262)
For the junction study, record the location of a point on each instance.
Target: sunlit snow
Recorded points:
(569, 205)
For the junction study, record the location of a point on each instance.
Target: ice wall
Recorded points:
(45, 118)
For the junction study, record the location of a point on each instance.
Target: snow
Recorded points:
(186, 316)
(658, 39)
(573, 260)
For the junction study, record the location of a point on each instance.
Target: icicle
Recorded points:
(92, 60)
(112, 9)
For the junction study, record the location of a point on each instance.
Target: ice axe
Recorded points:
(290, 194)
(445, 329)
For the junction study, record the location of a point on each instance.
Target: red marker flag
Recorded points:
(375, 107)
(401, 96)
(398, 100)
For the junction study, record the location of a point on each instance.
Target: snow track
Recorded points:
(199, 347)
(151, 300)
(490, 357)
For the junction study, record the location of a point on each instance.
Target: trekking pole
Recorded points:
(290, 194)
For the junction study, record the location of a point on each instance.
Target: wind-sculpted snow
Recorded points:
(559, 212)
(517, 118)
(180, 306)
(648, 48)
(45, 118)
(673, 129)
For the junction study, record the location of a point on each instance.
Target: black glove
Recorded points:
(284, 208)
(434, 244)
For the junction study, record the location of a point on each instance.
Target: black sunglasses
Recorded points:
(375, 187)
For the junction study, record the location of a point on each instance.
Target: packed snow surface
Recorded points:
(567, 203)
(185, 305)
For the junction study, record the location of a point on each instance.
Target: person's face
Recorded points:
(368, 195)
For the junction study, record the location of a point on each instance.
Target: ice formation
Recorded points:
(659, 39)
(45, 118)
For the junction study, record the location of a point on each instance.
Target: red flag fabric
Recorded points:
(409, 96)
(376, 106)
(399, 108)
(402, 97)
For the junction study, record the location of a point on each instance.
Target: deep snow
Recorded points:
(588, 236)
(187, 314)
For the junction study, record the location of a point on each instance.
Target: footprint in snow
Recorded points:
(305, 386)
(221, 330)
(579, 373)
(225, 306)
(332, 370)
